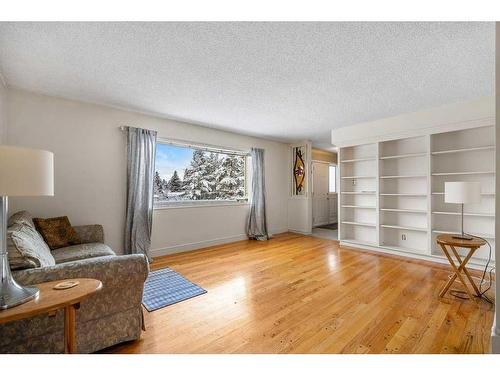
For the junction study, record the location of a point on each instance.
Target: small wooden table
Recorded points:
(50, 300)
(447, 240)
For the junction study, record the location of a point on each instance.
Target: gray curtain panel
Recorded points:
(257, 221)
(141, 150)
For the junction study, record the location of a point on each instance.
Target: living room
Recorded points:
(189, 188)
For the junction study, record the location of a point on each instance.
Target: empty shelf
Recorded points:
(465, 213)
(358, 192)
(442, 193)
(404, 194)
(359, 223)
(403, 227)
(462, 173)
(358, 177)
(418, 154)
(355, 160)
(355, 206)
(463, 150)
(405, 176)
(404, 210)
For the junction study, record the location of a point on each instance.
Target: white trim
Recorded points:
(475, 264)
(203, 244)
(196, 245)
(199, 204)
(300, 232)
(202, 146)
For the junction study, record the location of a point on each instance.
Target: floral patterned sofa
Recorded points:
(109, 317)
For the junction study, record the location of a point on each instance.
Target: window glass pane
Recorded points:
(189, 174)
(332, 176)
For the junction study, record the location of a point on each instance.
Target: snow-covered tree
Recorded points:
(212, 175)
(197, 182)
(175, 183)
(231, 178)
(158, 187)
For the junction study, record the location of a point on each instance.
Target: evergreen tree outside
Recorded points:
(175, 183)
(209, 176)
(231, 179)
(196, 181)
(158, 185)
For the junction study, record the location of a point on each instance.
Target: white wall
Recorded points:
(495, 332)
(90, 171)
(3, 110)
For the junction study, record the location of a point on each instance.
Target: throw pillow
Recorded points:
(21, 217)
(26, 248)
(57, 232)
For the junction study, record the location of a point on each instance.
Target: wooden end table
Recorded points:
(50, 300)
(445, 240)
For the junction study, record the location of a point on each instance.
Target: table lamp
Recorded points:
(462, 193)
(23, 172)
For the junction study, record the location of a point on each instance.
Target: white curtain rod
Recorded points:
(199, 146)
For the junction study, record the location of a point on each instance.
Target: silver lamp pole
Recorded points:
(11, 293)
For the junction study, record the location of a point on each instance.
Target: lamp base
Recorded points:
(462, 237)
(13, 294)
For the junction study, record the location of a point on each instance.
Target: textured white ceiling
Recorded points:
(286, 81)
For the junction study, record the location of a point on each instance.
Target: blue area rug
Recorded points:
(166, 287)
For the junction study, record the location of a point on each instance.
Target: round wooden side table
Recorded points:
(447, 240)
(50, 300)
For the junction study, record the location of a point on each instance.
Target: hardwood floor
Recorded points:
(301, 294)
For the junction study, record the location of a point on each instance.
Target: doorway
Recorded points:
(324, 200)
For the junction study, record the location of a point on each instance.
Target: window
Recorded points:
(332, 179)
(189, 173)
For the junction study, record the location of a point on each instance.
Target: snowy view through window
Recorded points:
(187, 174)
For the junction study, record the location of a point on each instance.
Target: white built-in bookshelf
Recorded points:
(358, 181)
(392, 192)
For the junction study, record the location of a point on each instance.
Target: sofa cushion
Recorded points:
(82, 251)
(21, 217)
(26, 248)
(57, 232)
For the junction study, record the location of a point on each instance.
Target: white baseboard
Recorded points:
(202, 244)
(431, 258)
(299, 232)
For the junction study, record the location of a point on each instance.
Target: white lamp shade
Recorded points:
(462, 192)
(26, 172)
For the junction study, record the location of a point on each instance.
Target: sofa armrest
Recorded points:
(122, 280)
(90, 233)
(111, 270)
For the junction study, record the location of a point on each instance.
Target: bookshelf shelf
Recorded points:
(469, 149)
(403, 227)
(402, 156)
(359, 223)
(465, 213)
(357, 160)
(354, 177)
(357, 206)
(462, 173)
(406, 176)
(413, 211)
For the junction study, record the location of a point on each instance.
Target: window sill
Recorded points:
(199, 204)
